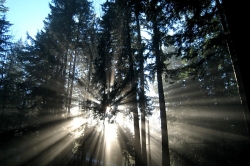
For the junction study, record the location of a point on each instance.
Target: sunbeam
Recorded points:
(93, 89)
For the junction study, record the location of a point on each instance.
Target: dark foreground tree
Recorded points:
(154, 15)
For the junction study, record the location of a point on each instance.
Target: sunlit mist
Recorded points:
(90, 90)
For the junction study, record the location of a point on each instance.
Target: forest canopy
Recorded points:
(150, 82)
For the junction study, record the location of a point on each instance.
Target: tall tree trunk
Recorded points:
(137, 143)
(149, 148)
(89, 77)
(164, 129)
(64, 62)
(141, 92)
(84, 154)
(72, 82)
(68, 86)
(90, 61)
(236, 50)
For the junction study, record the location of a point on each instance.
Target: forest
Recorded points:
(139, 83)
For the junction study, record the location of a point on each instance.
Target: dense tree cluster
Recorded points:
(181, 49)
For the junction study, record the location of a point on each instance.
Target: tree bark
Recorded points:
(72, 83)
(237, 48)
(141, 93)
(164, 129)
(149, 148)
(137, 143)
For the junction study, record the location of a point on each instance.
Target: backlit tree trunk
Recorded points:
(164, 129)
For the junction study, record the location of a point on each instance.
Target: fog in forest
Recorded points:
(136, 83)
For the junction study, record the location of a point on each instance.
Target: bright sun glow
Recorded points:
(110, 131)
(74, 111)
(108, 109)
(110, 135)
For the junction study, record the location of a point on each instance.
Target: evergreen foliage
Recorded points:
(103, 67)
